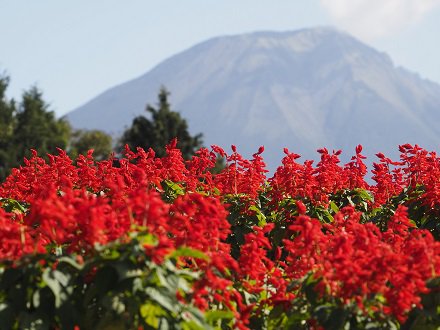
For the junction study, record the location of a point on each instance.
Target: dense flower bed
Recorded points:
(146, 243)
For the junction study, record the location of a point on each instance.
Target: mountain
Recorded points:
(303, 90)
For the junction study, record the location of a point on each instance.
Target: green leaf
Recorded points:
(36, 299)
(70, 261)
(191, 325)
(213, 316)
(151, 314)
(164, 298)
(185, 251)
(10, 205)
(334, 207)
(171, 190)
(148, 239)
(260, 216)
(365, 194)
(56, 280)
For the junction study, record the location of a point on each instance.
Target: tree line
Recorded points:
(30, 124)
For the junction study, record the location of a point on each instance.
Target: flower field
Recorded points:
(162, 243)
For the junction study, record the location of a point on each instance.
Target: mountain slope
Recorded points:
(302, 90)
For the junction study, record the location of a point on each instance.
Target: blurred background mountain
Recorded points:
(304, 90)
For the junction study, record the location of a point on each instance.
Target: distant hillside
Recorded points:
(302, 90)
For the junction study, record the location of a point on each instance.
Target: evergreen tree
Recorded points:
(158, 130)
(33, 126)
(82, 141)
(7, 122)
(37, 128)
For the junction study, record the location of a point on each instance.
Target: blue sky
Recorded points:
(74, 50)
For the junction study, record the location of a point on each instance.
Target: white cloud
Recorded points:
(370, 19)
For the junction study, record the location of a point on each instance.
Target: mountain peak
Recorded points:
(306, 89)
(300, 40)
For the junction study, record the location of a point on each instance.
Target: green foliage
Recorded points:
(11, 205)
(7, 123)
(427, 317)
(37, 127)
(118, 287)
(158, 130)
(30, 126)
(83, 140)
(242, 220)
(171, 191)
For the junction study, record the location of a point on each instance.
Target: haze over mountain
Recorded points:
(303, 90)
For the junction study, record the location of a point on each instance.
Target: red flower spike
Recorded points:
(76, 206)
(301, 207)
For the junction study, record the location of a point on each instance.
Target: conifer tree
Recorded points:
(160, 128)
(7, 122)
(32, 125)
(37, 127)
